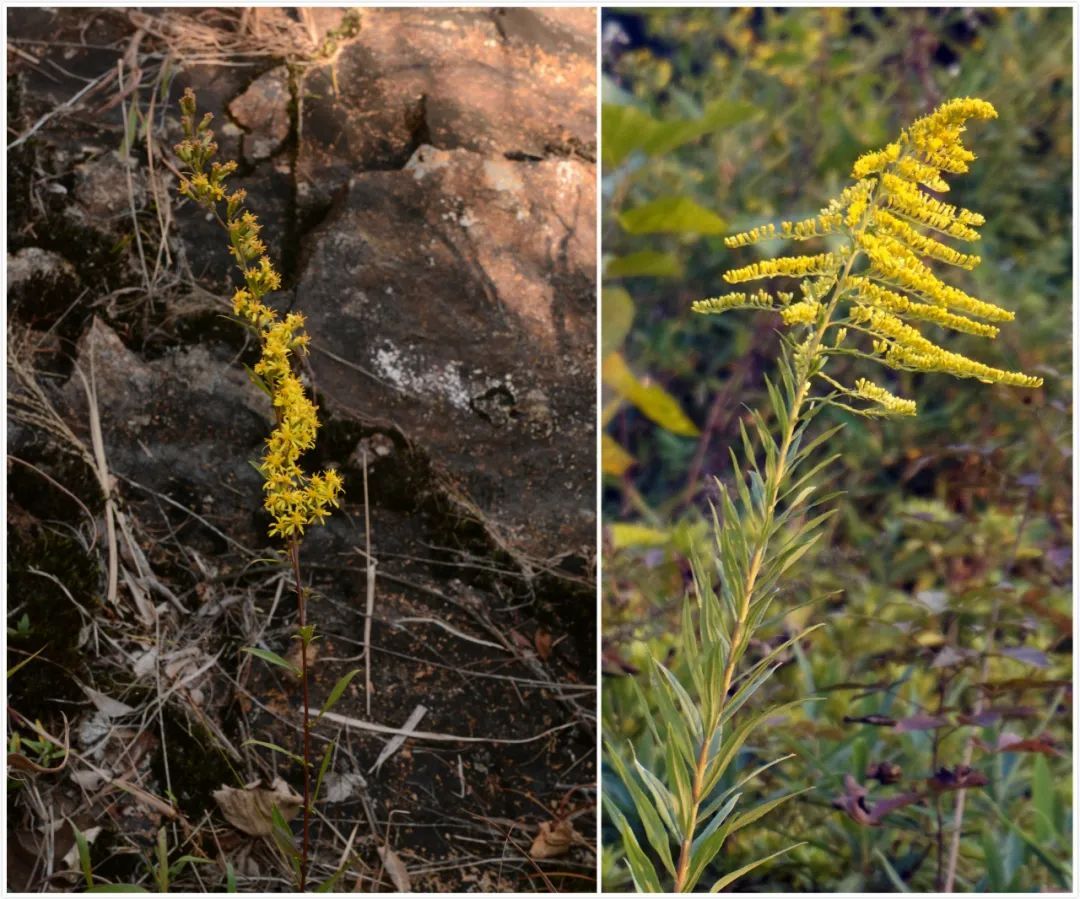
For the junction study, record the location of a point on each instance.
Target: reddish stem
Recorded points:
(294, 556)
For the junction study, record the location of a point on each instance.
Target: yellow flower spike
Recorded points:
(890, 404)
(785, 266)
(293, 499)
(882, 277)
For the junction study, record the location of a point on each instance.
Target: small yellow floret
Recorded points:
(890, 404)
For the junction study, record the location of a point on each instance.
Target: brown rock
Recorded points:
(263, 112)
(463, 286)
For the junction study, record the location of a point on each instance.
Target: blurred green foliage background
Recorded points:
(945, 580)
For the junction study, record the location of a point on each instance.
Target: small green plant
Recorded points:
(294, 499)
(857, 303)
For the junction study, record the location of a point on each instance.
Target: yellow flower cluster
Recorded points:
(805, 312)
(882, 274)
(936, 137)
(920, 244)
(911, 169)
(890, 404)
(905, 199)
(785, 266)
(891, 261)
(902, 347)
(871, 294)
(293, 499)
(758, 300)
(828, 222)
(875, 161)
(745, 238)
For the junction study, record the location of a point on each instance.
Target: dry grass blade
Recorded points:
(101, 468)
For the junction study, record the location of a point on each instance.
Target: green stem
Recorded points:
(772, 498)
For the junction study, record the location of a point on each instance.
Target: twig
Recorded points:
(369, 609)
(67, 104)
(101, 467)
(433, 737)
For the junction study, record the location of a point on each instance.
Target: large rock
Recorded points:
(513, 82)
(456, 298)
(165, 422)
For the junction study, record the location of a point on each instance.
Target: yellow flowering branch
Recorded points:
(872, 288)
(293, 498)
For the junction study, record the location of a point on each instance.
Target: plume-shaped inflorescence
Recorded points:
(293, 498)
(879, 283)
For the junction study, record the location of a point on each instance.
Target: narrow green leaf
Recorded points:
(679, 776)
(995, 870)
(275, 748)
(709, 843)
(730, 747)
(273, 658)
(84, 856)
(729, 879)
(759, 811)
(890, 872)
(655, 832)
(258, 381)
(688, 706)
(1042, 800)
(662, 798)
(641, 869)
(323, 767)
(743, 781)
(677, 731)
(282, 834)
(337, 692)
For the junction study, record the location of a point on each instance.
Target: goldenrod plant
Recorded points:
(293, 498)
(865, 300)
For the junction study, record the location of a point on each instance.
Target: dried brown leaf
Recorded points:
(250, 809)
(554, 838)
(395, 867)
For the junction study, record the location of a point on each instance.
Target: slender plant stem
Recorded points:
(772, 499)
(969, 746)
(294, 556)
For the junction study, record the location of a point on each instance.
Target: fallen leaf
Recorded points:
(339, 787)
(398, 739)
(109, 707)
(250, 809)
(543, 644)
(395, 867)
(553, 839)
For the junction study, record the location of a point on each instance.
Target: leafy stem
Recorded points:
(777, 477)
